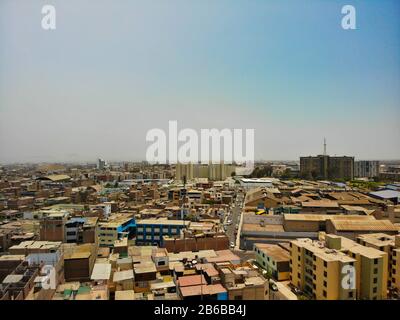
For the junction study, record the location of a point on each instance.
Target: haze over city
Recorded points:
(94, 86)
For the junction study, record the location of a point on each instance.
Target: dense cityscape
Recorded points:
(196, 159)
(140, 231)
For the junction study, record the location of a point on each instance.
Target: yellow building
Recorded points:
(371, 269)
(389, 244)
(274, 259)
(321, 269)
(317, 270)
(212, 171)
(117, 227)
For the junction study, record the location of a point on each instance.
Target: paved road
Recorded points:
(235, 215)
(235, 218)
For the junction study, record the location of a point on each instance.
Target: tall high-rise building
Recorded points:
(212, 171)
(101, 164)
(327, 167)
(184, 170)
(366, 169)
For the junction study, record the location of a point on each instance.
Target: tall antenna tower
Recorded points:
(324, 146)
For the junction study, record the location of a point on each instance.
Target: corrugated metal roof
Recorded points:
(386, 194)
(373, 225)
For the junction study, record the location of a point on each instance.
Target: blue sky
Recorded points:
(112, 70)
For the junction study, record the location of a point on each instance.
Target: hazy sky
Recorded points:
(112, 70)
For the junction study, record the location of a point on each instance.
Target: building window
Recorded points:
(324, 293)
(375, 261)
(375, 290)
(375, 280)
(375, 270)
(325, 264)
(325, 274)
(325, 284)
(351, 294)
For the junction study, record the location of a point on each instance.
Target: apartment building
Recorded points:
(117, 227)
(371, 267)
(366, 169)
(151, 231)
(390, 244)
(327, 167)
(215, 172)
(317, 270)
(274, 258)
(82, 230)
(52, 226)
(322, 269)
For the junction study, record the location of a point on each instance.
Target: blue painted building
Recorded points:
(151, 231)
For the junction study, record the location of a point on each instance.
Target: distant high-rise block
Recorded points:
(326, 167)
(366, 169)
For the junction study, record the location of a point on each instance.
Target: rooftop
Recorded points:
(372, 225)
(274, 251)
(191, 280)
(199, 290)
(101, 271)
(162, 222)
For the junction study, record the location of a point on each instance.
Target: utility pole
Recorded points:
(183, 201)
